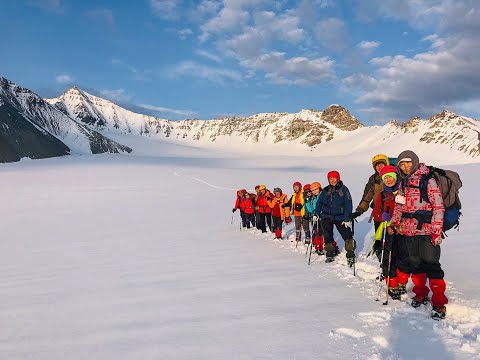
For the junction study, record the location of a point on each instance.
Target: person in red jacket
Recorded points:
(419, 224)
(240, 197)
(279, 211)
(382, 213)
(248, 207)
(264, 209)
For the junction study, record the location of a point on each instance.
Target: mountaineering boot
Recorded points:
(439, 313)
(320, 252)
(278, 234)
(420, 300)
(393, 293)
(329, 259)
(350, 261)
(402, 289)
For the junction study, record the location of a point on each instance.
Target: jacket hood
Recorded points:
(408, 154)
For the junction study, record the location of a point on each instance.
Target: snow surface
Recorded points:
(137, 257)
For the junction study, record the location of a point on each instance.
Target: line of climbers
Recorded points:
(408, 213)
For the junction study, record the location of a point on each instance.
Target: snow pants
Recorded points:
(317, 237)
(244, 219)
(265, 219)
(421, 258)
(257, 219)
(249, 219)
(300, 223)
(277, 225)
(345, 232)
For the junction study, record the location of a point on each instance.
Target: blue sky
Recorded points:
(381, 59)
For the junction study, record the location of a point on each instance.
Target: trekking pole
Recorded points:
(388, 277)
(311, 242)
(353, 236)
(381, 263)
(231, 222)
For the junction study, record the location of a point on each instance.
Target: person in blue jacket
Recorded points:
(334, 207)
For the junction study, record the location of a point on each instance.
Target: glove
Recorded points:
(315, 218)
(390, 230)
(347, 224)
(355, 214)
(233, 210)
(436, 239)
(386, 216)
(288, 219)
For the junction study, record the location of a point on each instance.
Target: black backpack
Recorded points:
(449, 183)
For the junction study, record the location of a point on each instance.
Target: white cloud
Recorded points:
(49, 5)
(165, 110)
(64, 79)
(184, 33)
(166, 9)
(213, 74)
(332, 34)
(368, 46)
(209, 55)
(296, 70)
(447, 75)
(116, 95)
(233, 16)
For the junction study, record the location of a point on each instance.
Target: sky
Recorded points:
(381, 59)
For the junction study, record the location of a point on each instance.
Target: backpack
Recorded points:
(449, 183)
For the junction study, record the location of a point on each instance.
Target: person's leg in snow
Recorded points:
(326, 226)
(277, 226)
(298, 228)
(347, 235)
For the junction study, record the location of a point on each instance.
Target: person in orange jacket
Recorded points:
(279, 211)
(297, 206)
(264, 209)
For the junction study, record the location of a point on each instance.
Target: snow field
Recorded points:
(123, 257)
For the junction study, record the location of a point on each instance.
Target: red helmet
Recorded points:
(296, 183)
(333, 174)
(306, 187)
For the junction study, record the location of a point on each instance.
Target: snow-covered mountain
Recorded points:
(31, 127)
(310, 129)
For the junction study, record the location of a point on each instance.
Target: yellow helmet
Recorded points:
(380, 158)
(262, 187)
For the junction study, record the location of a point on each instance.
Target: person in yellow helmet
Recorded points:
(373, 187)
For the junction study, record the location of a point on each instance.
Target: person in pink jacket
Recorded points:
(418, 224)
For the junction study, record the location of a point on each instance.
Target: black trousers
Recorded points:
(257, 220)
(249, 219)
(265, 219)
(391, 244)
(345, 232)
(418, 255)
(277, 222)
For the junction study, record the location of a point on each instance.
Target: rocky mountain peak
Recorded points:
(340, 117)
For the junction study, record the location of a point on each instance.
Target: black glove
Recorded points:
(233, 210)
(355, 214)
